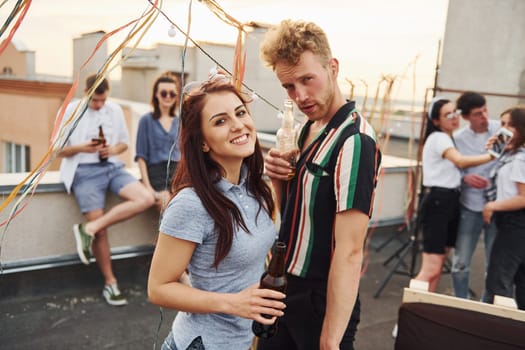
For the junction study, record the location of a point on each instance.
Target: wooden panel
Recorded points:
(418, 296)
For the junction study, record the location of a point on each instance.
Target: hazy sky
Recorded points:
(370, 37)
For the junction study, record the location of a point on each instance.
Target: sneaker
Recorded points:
(113, 296)
(83, 241)
(394, 332)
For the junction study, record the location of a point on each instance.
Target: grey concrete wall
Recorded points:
(82, 49)
(43, 229)
(484, 49)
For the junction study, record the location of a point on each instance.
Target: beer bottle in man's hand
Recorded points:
(274, 278)
(286, 136)
(102, 139)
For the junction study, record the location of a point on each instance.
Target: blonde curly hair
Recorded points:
(287, 42)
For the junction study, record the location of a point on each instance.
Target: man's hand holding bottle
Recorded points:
(280, 165)
(282, 159)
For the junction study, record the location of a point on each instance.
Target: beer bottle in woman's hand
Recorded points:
(274, 278)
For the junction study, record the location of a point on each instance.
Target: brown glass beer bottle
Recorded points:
(274, 278)
(102, 139)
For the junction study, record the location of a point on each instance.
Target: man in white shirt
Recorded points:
(471, 140)
(90, 168)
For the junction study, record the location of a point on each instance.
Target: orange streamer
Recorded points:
(15, 27)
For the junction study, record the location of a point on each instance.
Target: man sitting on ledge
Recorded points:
(90, 168)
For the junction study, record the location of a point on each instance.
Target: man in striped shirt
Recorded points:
(326, 206)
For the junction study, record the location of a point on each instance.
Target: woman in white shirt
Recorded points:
(439, 208)
(507, 259)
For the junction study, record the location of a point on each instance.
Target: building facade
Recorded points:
(30, 101)
(483, 51)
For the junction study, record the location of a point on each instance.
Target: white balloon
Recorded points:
(172, 32)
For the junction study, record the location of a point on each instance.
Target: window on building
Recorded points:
(7, 70)
(16, 158)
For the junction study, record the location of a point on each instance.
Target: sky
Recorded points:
(371, 38)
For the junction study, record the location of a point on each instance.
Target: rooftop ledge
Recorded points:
(40, 236)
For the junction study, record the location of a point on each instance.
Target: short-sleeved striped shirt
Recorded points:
(336, 172)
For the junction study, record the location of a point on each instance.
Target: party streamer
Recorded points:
(58, 137)
(20, 6)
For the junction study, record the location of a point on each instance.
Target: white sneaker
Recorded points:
(113, 296)
(394, 332)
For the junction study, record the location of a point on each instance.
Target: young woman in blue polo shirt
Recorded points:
(439, 208)
(217, 226)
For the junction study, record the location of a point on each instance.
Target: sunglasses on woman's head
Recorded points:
(199, 87)
(164, 94)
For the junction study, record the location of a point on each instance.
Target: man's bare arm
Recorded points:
(343, 279)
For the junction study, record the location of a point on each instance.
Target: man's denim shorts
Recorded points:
(92, 181)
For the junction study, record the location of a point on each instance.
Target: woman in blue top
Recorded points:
(217, 226)
(157, 149)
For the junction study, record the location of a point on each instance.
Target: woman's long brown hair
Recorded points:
(196, 169)
(517, 120)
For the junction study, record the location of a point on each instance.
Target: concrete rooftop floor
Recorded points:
(62, 308)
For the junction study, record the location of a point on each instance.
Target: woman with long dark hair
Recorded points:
(507, 259)
(439, 208)
(218, 226)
